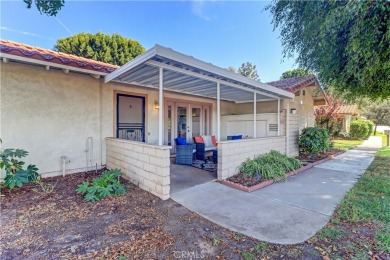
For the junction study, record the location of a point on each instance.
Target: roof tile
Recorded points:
(293, 84)
(351, 109)
(36, 53)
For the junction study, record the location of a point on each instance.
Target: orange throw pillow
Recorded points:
(214, 140)
(198, 139)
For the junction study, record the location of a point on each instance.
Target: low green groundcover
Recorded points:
(269, 166)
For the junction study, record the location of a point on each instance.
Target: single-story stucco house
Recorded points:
(348, 113)
(74, 114)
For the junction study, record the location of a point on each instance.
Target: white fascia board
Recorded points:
(131, 64)
(191, 61)
(50, 64)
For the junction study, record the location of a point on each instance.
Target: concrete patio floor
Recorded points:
(185, 176)
(288, 212)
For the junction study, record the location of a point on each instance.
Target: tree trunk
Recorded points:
(375, 129)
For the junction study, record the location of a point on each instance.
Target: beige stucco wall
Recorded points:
(231, 108)
(305, 108)
(51, 114)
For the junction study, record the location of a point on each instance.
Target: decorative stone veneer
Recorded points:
(145, 165)
(232, 153)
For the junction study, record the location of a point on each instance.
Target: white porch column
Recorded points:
(161, 105)
(278, 116)
(218, 112)
(254, 115)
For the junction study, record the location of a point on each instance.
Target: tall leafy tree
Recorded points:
(248, 70)
(49, 7)
(114, 49)
(347, 42)
(295, 73)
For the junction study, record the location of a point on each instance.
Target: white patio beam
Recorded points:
(197, 75)
(254, 114)
(161, 107)
(250, 101)
(218, 112)
(278, 116)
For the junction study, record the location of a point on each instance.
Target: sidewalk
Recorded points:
(287, 212)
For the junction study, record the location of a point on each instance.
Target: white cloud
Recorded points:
(25, 33)
(198, 9)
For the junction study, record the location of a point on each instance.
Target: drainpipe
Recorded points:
(65, 160)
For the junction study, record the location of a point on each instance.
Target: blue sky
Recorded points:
(223, 33)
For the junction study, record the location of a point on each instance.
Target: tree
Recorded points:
(248, 70)
(379, 113)
(295, 73)
(346, 42)
(49, 7)
(232, 69)
(114, 49)
(328, 116)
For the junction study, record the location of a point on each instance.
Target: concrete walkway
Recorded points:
(287, 212)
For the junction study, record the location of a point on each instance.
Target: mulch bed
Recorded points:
(249, 184)
(245, 181)
(320, 156)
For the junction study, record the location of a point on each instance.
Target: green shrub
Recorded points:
(370, 126)
(15, 174)
(106, 185)
(313, 140)
(269, 166)
(358, 129)
(343, 135)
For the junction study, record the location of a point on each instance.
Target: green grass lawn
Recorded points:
(369, 201)
(346, 144)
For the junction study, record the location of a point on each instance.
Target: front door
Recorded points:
(130, 117)
(185, 120)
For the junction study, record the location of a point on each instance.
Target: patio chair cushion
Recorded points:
(214, 140)
(208, 142)
(181, 141)
(198, 140)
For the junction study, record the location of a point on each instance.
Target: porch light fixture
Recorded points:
(293, 110)
(156, 105)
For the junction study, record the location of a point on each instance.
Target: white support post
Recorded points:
(218, 112)
(254, 115)
(161, 107)
(287, 127)
(278, 116)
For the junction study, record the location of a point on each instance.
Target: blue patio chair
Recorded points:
(184, 152)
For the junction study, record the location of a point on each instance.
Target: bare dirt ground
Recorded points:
(137, 225)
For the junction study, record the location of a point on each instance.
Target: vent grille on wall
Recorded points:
(273, 127)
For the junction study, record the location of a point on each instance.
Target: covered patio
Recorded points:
(168, 71)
